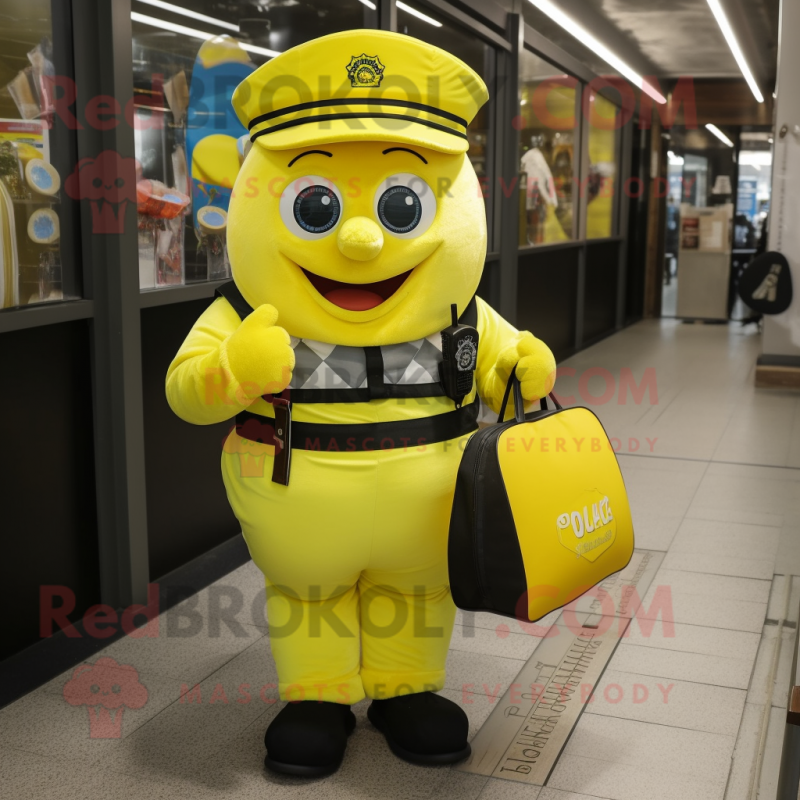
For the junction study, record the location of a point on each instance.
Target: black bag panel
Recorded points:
(465, 583)
(487, 572)
(486, 568)
(501, 555)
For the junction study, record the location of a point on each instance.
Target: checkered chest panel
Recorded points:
(330, 373)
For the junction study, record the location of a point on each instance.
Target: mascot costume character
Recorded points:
(353, 352)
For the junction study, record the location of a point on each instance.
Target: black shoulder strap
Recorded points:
(234, 297)
(470, 315)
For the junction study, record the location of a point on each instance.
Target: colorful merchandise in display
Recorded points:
(212, 222)
(354, 384)
(161, 228)
(30, 261)
(43, 227)
(212, 128)
(42, 178)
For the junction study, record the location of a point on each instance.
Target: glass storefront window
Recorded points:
(33, 178)
(188, 148)
(414, 19)
(604, 132)
(754, 189)
(549, 147)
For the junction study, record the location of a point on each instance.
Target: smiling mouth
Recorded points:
(356, 296)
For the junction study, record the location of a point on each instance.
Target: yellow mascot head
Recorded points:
(356, 212)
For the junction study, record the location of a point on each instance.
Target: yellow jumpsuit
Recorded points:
(354, 550)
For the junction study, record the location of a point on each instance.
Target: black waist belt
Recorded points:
(366, 436)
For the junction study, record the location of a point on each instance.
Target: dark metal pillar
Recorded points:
(110, 256)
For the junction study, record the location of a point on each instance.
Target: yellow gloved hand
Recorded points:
(259, 354)
(536, 366)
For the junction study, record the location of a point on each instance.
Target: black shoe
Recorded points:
(308, 738)
(422, 728)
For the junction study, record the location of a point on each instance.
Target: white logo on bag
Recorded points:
(600, 515)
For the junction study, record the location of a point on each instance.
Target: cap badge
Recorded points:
(365, 71)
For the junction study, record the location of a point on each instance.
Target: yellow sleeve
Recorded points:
(495, 335)
(200, 386)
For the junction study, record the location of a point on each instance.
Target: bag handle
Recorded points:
(519, 403)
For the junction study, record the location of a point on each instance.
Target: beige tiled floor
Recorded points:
(713, 473)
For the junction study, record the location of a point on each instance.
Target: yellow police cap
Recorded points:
(361, 85)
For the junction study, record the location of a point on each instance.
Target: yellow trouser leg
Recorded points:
(405, 635)
(315, 644)
(407, 611)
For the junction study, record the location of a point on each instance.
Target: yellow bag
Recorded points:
(540, 513)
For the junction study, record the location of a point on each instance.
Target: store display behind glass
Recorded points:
(754, 188)
(604, 131)
(188, 139)
(549, 147)
(31, 188)
(475, 54)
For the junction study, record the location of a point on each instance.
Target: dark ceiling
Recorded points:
(664, 38)
(670, 38)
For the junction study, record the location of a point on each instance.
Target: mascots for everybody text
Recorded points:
(353, 352)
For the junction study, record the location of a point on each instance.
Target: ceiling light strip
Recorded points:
(586, 38)
(194, 33)
(430, 20)
(730, 38)
(719, 134)
(187, 13)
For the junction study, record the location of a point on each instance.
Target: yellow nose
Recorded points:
(360, 238)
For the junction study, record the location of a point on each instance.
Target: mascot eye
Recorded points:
(405, 205)
(311, 207)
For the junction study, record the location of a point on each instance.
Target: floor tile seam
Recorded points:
(714, 627)
(731, 739)
(714, 575)
(509, 658)
(700, 480)
(730, 736)
(62, 760)
(739, 529)
(689, 652)
(668, 404)
(677, 680)
(568, 791)
(681, 680)
(178, 699)
(711, 460)
(145, 674)
(711, 596)
(723, 574)
(771, 561)
(724, 522)
(721, 534)
(232, 658)
(648, 766)
(92, 766)
(672, 727)
(511, 633)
